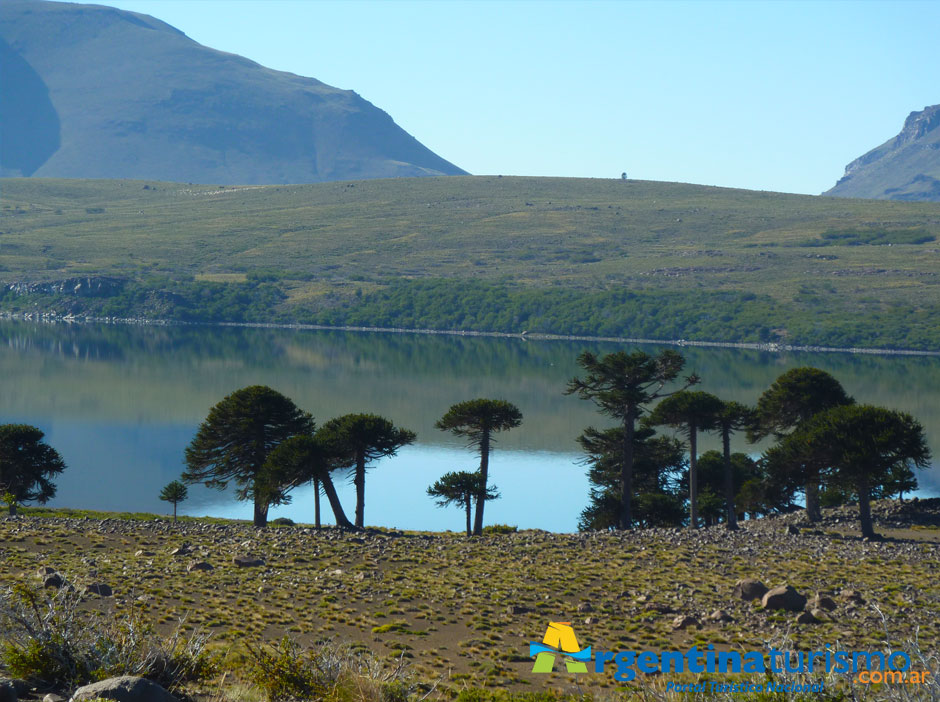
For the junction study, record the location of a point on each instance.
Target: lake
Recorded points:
(121, 403)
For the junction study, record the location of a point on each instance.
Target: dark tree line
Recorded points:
(826, 447)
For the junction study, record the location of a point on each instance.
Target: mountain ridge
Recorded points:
(906, 167)
(96, 92)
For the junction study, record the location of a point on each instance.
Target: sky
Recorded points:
(760, 95)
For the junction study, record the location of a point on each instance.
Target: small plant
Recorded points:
(175, 493)
(499, 529)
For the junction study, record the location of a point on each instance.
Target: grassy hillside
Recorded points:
(609, 257)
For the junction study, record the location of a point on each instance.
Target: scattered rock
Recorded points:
(248, 561)
(46, 570)
(588, 621)
(820, 615)
(52, 697)
(822, 602)
(126, 688)
(518, 609)
(720, 615)
(100, 589)
(180, 551)
(199, 565)
(659, 607)
(784, 597)
(684, 621)
(791, 530)
(53, 580)
(360, 576)
(852, 596)
(749, 589)
(585, 607)
(806, 618)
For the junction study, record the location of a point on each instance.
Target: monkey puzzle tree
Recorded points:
(860, 447)
(355, 440)
(690, 412)
(791, 400)
(658, 463)
(236, 439)
(461, 488)
(478, 420)
(299, 460)
(174, 492)
(622, 385)
(731, 418)
(26, 465)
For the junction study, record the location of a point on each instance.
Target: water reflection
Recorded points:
(120, 403)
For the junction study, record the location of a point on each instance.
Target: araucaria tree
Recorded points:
(622, 385)
(690, 412)
(732, 417)
(236, 439)
(299, 460)
(478, 420)
(791, 400)
(858, 448)
(356, 440)
(174, 493)
(461, 488)
(26, 465)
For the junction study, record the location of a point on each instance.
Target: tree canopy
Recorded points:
(478, 420)
(356, 440)
(622, 385)
(461, 488)
(235, 440)
(27, 464)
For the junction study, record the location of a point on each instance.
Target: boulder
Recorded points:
(749, 589)
(46, 570)
(683, 621)
(791, 530)
(518, 609)
(806, 618)
(585, 607)
(126, 688)
(199, 566)
(822, 602)
(784, 597)
(720, 615)
(7, 692)
(100, 589)
(53, 697)
(248, 561)
(53, 580)
(852, 596)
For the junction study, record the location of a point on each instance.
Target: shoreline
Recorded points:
(46, 318)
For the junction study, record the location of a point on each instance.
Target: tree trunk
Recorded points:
(484, 471)
(360, 481)
(813, 510)
(13, 507)
(316, 503)
(732, 517)
(693, 477)
(174, 513)
(626, 470)
(338, 513)
(261, 512)
(469, 528)
(864, 508)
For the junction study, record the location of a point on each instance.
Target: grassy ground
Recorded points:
(326, 245)
(462, 612)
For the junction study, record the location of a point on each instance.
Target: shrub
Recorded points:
(499, 529)
(52, 642)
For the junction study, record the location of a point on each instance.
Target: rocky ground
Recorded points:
(463, 611)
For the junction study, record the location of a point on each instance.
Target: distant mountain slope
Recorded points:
(906, 167)
(95, 92)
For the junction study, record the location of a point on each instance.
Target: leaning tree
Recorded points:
(27, 464)
(236, 439)
(622, 385)
(356, 440)
(478, 420)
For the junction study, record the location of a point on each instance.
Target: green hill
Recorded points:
(566, 256)
(94, 92)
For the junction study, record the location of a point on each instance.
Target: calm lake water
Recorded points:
(121, 403)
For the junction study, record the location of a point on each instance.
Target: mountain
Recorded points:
(906, 167)
(88, 91)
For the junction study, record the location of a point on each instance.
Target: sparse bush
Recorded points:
(499, 529)
(52, 642)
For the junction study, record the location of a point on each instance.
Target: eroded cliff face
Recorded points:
(906, 167)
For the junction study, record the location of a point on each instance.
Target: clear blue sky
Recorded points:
(761, 95)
